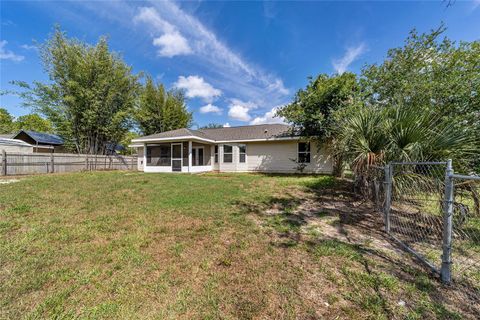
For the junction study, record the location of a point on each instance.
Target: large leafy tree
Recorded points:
(90, 96)
(315, 109)
(436, 76)
(6, 121)
(33, 122)
(160, 110)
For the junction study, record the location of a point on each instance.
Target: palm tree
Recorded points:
(370, 136)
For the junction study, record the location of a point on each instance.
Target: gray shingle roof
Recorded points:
(263, 131)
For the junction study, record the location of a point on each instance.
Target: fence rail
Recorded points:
(38, 163)
(432, 213)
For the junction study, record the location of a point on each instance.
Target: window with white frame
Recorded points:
(242, 153)
(227, 153)
(304, 152)
(216, 154)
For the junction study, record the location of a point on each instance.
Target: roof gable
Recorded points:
(41, 137)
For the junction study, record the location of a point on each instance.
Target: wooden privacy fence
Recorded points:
(35, 163)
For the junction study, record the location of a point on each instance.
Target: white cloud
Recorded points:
(226, 125)
(227, 67)
(239, 110)
(151, 16)
(341, 65)
(268, 117)
(28, 47)
(172, 44)
(196, 87)
(210, 108)
(7, 54)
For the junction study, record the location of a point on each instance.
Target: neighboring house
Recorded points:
(7, 135)
(259, 148)
(42, 142)
(15, 146)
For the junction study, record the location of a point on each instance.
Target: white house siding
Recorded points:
(235, 166)
(276, 157)
(271, 156)
(140, 158)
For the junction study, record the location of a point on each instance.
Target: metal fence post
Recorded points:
(4, 163)
(446, 270)
(388, 196)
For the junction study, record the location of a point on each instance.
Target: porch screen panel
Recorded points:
(158, 155)
(200, 156)
(165, 155)
(185, 153)
(177, 151)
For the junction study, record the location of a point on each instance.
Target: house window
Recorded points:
(216, 154)
(227, 153)
(304, 152)
(242, 153)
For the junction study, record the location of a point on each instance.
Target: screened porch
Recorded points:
(181, 156)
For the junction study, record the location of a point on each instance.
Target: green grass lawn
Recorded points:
(125, 245)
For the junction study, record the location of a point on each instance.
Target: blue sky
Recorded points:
(236, 61)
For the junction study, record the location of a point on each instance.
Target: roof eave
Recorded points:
(136, 141)
(260, 140)
(166, 139)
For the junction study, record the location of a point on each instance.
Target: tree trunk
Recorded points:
(338, 168)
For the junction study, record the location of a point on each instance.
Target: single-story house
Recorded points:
(255, 148)
(15, 146)
(42, 142)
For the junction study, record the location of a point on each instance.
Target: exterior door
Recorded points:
(176, 157)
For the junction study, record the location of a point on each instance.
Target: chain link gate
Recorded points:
(414, 208)
(432, 213)
(465, 212)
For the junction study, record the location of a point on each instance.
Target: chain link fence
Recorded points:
(466, 229)
(432, 213)
(415, 214)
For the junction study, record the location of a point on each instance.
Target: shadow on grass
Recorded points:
(287, 217)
